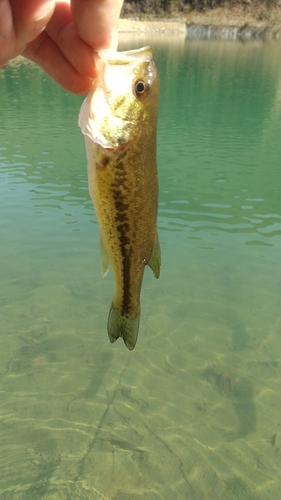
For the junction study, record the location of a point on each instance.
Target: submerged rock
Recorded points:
(232, 33)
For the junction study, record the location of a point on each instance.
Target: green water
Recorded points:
(194, 411)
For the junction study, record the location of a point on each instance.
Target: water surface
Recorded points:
(194, 411)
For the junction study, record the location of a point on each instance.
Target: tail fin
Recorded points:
(120, 325)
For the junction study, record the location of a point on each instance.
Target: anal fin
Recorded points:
(104, 259)
(155, 260)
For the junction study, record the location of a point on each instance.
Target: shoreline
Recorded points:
(229, 23)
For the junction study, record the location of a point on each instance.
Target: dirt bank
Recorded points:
(262, 22)
(155, 26)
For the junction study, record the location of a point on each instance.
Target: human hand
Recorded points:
(59, 36)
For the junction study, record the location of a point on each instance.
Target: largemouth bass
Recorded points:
(119, 121)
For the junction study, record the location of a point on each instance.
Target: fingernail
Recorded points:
(44, 10)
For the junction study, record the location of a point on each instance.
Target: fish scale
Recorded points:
(119, 120)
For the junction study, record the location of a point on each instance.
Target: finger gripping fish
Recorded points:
(119, 121)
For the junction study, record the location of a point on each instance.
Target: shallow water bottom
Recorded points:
(193, 409)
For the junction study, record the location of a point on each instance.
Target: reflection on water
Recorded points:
(194, 411)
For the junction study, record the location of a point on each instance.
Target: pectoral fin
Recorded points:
(155, 259)
(104, 259)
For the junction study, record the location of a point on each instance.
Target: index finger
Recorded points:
(96, 21)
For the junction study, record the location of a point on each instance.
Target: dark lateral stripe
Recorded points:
(123, 228)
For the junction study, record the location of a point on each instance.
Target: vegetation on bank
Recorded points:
(175, 8)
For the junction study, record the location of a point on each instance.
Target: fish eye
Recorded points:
(140, 88)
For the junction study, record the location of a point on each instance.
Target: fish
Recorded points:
(119, 121)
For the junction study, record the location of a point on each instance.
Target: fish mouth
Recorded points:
(111, 113)
(108, 130)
